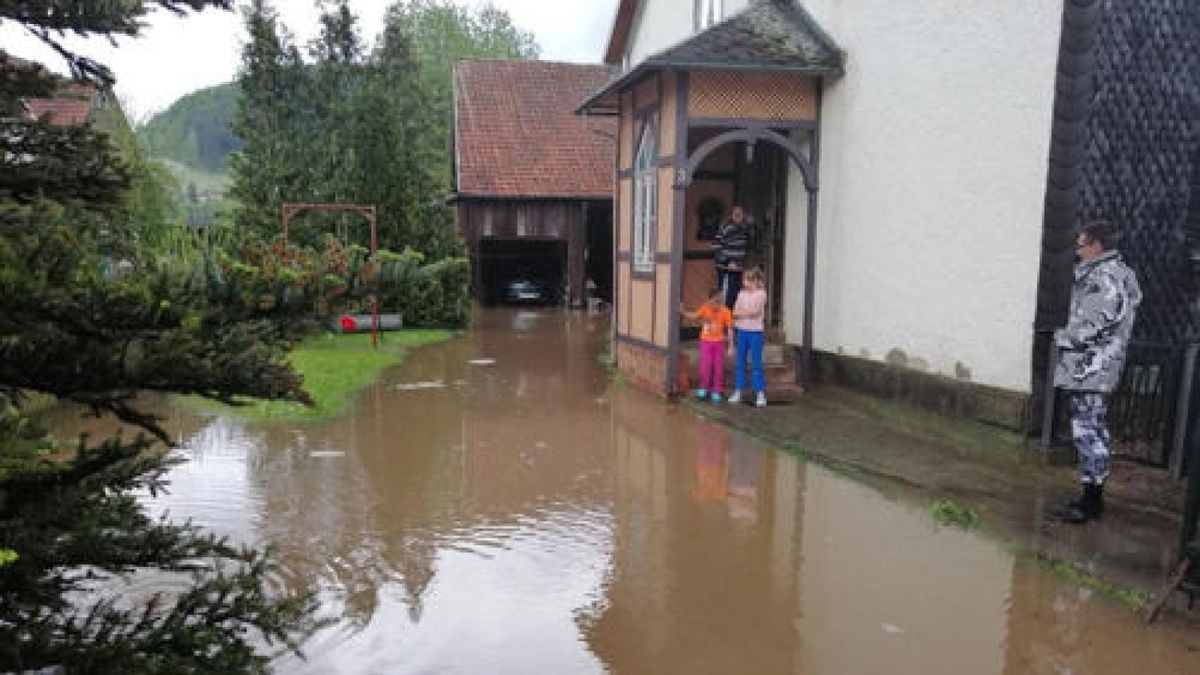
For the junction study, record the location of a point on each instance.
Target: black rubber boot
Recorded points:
(1089, 506)
(1093, 500)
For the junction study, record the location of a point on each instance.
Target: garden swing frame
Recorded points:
(290, 210)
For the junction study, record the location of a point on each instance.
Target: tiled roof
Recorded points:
(767, 35)
(72, 105)
(516, 134)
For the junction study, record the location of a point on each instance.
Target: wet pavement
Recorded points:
(497, 505)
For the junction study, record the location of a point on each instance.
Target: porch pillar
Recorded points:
(678, 225)
(810, 279)
(812, 183)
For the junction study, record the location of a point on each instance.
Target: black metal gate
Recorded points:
(1149, 412)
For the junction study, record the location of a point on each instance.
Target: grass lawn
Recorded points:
(334, 367)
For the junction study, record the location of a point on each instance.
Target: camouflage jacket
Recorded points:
(1104, 302)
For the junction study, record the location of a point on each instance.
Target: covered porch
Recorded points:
(730, 116)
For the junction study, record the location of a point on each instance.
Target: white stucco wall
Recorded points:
(660, 24)
(933, 172)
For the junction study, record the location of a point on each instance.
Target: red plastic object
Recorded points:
(349, 325)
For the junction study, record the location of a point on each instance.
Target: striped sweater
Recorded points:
(731, 243)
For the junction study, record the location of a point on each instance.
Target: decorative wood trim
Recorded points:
(647, 110)
(747, 123)
(714, 175)
(751, 135)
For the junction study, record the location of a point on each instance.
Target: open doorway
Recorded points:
(757, 180)
(522, 271)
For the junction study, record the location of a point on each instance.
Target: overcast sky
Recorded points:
(175, 56)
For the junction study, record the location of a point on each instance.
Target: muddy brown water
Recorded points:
(496, 505)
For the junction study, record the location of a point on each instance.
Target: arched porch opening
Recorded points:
(770, 170)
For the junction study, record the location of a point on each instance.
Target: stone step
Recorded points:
(773, 354)
(780, 373)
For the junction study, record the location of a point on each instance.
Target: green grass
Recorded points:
(334, 368)
(1072, 573)
(947, 512)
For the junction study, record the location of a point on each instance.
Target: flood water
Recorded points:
(496, 505)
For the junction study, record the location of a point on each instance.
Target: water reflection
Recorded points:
(528, 517)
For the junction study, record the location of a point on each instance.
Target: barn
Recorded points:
(533, 181)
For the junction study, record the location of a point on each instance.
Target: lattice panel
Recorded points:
(1142, 168)
(762, 96)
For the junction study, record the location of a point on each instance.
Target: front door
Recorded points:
(762, 189)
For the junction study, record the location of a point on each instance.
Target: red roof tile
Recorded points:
(516, 133)
(72, 105)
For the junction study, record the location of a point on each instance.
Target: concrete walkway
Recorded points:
(916, 454)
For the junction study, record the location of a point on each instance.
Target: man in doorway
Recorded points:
(1104, 301)
(730, 246)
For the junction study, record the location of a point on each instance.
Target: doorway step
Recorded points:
(779, 366)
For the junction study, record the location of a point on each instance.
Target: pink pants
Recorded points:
(712, 366)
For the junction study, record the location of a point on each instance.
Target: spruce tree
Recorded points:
(87, 316)
(269, 169)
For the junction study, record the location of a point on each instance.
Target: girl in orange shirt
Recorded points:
(716, 324)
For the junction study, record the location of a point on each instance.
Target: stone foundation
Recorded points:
(645, 368)
(990, 405)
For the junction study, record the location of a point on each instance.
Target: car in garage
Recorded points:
(527, 291)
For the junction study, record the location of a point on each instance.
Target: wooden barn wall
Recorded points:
(535, 220)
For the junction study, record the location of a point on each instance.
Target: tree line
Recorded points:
(343, 121)
(100, 302)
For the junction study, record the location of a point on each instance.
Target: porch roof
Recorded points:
(769, 35)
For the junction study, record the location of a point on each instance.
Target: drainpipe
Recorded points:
(1049, 399)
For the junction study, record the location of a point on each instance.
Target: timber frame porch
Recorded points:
(752, 80)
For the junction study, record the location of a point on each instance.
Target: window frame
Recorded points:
(645, 200)
(701, 10)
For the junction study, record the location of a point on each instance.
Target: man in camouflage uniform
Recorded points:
(1092, 346)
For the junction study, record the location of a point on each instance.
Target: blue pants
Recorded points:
(749, 346)
(1088, 427)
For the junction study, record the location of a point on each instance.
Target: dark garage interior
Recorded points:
(505, 261)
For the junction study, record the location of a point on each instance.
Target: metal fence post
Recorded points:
(1183, 407)
(1191, 504)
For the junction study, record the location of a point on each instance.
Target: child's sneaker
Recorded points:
(701, 394)
(761, 401)
(716, 397)
(736, 396)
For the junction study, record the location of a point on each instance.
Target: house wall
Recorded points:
(660, 24)
(932, 172)
(645, 312)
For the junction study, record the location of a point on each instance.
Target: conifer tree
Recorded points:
(270, 168)
(87, 317)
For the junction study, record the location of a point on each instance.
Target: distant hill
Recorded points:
(195, 131)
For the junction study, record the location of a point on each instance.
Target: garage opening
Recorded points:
(522, 271)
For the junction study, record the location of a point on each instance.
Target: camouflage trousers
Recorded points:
(1090, 431)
